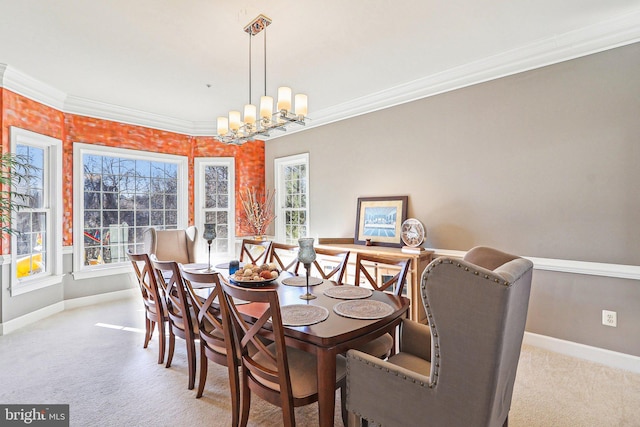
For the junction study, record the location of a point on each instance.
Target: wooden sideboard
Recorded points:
(418, 264)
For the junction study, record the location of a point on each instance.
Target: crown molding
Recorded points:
(605, 35)
(602, 36)
(102, 110)
(25, 85)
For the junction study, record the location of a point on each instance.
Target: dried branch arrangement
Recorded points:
(258, 209)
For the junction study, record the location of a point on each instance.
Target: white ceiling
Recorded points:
(161, 56)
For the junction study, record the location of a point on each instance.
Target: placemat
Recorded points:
(363, 309)
(301, 281)
(348, 292)
(302, 314)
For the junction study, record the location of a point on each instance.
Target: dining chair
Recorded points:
(213, 345)
(179, 312)
(460, 370)
(255, 251)
(284, 256)
(154, 308)
(283, 376)
(383, 346)
(172, 245)
(330, 264)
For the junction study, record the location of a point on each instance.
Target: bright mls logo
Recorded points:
(34, 415)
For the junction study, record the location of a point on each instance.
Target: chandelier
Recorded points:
(233, 130)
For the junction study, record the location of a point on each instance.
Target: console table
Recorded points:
(419, 262)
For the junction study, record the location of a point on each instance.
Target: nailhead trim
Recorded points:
(432, 325)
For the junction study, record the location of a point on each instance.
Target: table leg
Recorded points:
(326, 386)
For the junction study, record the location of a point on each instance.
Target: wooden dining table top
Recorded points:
(336, 328)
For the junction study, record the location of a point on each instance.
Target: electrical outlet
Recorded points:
(609, 318)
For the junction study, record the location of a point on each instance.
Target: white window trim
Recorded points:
(81, 271)
(278, 164)
(54, 226)
(199, 187)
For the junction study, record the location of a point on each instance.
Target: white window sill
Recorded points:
(102, 272)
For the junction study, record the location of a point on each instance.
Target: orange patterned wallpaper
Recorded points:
(27, 114)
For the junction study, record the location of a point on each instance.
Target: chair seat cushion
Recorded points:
(302, 370)
(379, 347)
(411, 362)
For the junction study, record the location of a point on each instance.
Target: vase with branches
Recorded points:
(258, 209)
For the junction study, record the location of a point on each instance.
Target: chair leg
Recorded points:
(172, 345)
(148, 331)
(191, 362)
(343, 404)
(246, 399)
(161, 341)
(234, 385)
(204, 365)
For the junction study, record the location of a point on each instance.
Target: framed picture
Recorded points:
(379, 220)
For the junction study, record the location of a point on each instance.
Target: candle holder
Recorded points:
(306, 255)
(209, 234)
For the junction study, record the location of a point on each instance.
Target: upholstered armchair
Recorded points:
(460, 370)
(172, 245)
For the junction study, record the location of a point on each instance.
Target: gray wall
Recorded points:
(541, 164)
(14, 307)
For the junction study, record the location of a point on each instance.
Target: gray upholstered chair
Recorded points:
(459, 371)
(172, 245)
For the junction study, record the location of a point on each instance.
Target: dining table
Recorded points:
(332, 336)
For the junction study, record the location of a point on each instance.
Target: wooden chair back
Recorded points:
(155, 311)
(368, 260)
(255, 251)
(265, 369)
(284, 256)
(332, 257)
(178, 303)
(213, 343)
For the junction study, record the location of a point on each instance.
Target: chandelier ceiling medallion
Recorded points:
(232, 130)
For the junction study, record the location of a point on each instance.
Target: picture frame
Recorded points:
(379, 220)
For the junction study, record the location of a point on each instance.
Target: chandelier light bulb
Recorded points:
(301, 105)
(284, 98)
(234, 120)
(266, 108)
(249, 114)
(223, 126)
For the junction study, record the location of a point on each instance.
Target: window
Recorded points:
(292, 192)
(36, 248)
(215, 202)
(118, 194)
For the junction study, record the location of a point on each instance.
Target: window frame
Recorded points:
(200, 163)
(278, 166)
(81, 271)
(52, 186)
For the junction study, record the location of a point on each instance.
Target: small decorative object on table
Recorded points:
(209, 234)
(413, 234)
(306, 255)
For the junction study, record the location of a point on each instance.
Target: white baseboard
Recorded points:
(29, 318)
(43, 313)
(100, 298)
(603, 356)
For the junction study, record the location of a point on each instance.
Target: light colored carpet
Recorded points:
(108, 379)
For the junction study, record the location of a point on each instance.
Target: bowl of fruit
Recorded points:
(254, 275)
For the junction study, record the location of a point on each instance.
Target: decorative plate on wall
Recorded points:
(412, 232)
